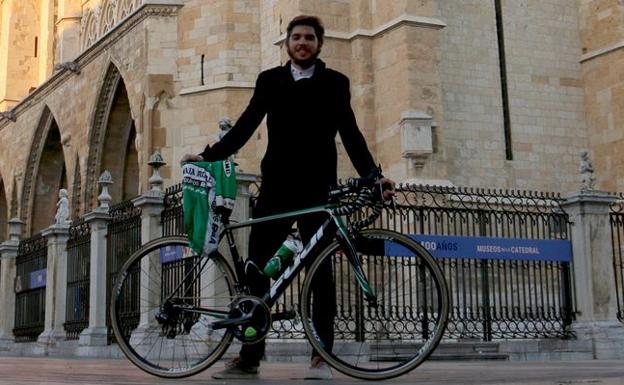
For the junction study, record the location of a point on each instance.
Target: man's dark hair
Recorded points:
(310, 21)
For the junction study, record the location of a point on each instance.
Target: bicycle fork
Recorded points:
(345, 241)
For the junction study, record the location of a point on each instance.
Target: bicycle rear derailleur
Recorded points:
(174, 320)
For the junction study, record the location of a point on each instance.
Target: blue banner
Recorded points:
(33, 280)
(448, 246)
(171, 253)
(38, 278)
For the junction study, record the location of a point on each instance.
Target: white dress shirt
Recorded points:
(299, 74)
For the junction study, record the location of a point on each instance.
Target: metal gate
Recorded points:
(78, 278)
(30, 288)
(616, 218)
(123, 239)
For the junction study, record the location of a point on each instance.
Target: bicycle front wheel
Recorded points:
(375, 341)
(164, 303)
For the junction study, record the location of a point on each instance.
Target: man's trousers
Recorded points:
(264, 240)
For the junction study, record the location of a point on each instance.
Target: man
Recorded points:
(306, 105)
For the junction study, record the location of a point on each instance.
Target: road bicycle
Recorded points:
(174, 312)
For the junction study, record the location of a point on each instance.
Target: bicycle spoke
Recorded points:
(160, 352)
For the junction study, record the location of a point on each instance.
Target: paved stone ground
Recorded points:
(54, 371)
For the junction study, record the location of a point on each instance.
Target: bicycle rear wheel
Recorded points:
(154, 308)
(397, 335)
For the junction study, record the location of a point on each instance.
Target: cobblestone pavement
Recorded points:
(53, 371)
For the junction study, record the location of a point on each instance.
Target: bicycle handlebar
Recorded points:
(369, 193)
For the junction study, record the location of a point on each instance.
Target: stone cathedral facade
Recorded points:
(478, 93)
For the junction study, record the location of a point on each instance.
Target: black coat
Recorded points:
(303, 118)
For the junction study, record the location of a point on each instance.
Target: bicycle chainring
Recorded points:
(255, 316)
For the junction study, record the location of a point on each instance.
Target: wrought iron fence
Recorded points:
(494, 298)
(129, 306)
(30, 288)
(124, 238)
(78, 277)
(616, 219)
(491, 298)
(172, 217)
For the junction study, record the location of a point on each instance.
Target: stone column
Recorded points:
(56, 284)
(8, 254)
(97, 333)
(593, 273)
(151, 204)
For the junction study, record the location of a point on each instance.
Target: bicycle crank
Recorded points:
(249, 319)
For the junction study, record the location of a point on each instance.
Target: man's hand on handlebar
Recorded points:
(382, 188)
(387, 188)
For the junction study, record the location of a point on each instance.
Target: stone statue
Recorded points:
(225, 125)
(587, 172)
(62, 208)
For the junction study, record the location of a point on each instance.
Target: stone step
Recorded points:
(464, 351)
(468, 351)
(449, 357)
(468, 347)
(468, 356)
(299, 351)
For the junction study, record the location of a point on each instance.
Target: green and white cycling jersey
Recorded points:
(206, 186)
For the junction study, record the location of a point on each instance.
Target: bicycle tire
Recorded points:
(409, 322)
(187, 345)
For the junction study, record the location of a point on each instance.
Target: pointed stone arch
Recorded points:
(98, 132)
(112, 142)
(130, 179)
(45, 174)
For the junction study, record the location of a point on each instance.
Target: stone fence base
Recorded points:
(300, 351)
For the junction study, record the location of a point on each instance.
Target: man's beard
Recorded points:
(303, 63)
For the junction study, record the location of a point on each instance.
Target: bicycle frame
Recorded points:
(333, 227)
